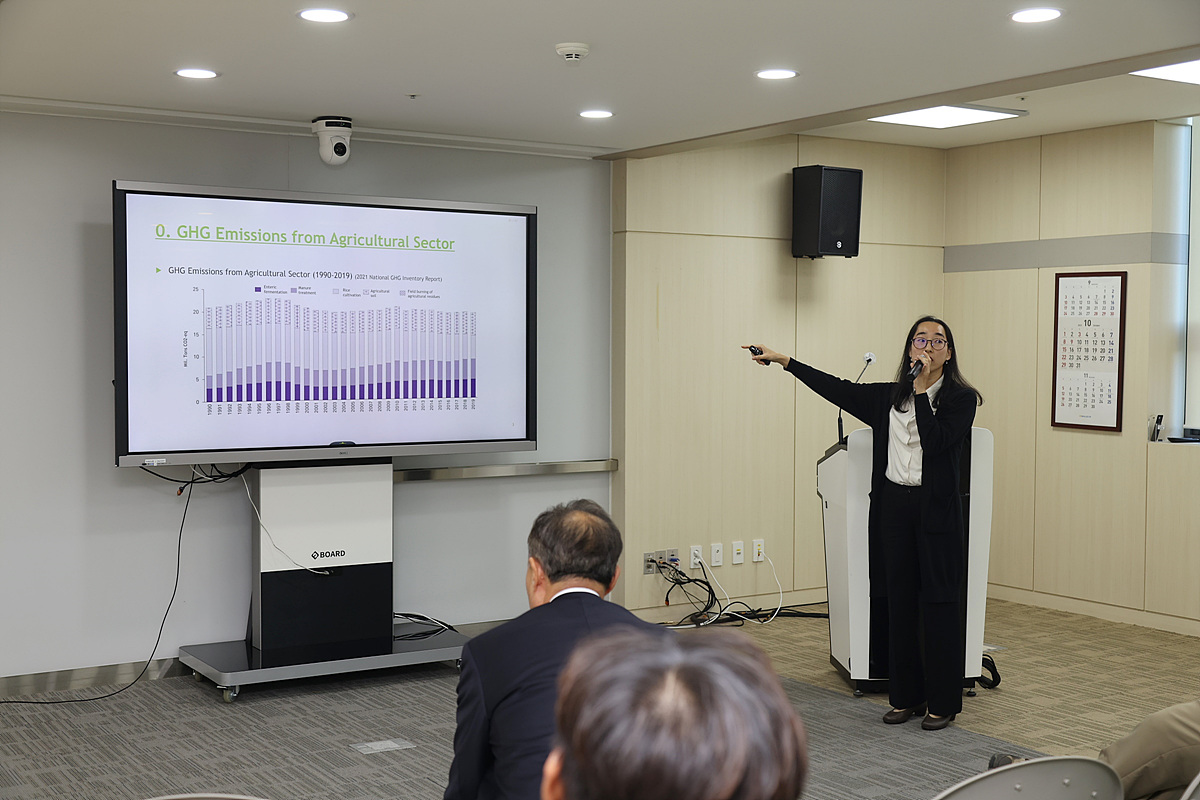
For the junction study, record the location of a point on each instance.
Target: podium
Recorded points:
(858, 624)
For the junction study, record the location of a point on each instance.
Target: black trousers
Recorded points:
(925, 645)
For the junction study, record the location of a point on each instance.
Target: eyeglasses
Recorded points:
(921, 341)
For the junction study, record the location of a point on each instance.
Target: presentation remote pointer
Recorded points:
(757, 351)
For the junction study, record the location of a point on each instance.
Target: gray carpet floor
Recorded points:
(853, 754)
(295, 741)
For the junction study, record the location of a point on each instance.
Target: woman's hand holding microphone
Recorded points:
(923, 380)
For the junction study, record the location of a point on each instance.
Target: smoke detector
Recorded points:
(572, 52)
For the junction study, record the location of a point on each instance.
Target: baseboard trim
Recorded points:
(87, 677)
(1088, 608)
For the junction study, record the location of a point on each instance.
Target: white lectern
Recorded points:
(858, 625)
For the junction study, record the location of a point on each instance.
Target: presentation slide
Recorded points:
(274, 324)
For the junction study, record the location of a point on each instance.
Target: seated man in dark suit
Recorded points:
(699, 716)
(507, 688)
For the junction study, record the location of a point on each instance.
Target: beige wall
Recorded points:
(715, 449)
(1075, 509)
(712, 447)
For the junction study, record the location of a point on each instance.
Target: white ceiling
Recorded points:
(676, 73)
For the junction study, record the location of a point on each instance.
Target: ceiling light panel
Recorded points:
(1187, 72)
(324, 15)
(1030, 15)
(949, 116)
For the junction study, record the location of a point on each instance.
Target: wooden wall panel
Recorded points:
(844, 308)
(903, 187)
(1098, 182)
(1172, 182)
(1173, 530)
(994, 319)
(992, 192)
(622, 592)
(1166, 344)
(707, 437)
(1090, 497)
(745, 190)
(713, 448)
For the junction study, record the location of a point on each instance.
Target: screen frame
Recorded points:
(317, 452)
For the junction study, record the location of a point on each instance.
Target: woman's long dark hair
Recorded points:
(950, 372)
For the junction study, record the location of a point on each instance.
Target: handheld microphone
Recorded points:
(916, 370)
(868, 359)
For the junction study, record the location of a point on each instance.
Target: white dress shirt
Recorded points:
(570, 589)
(904, 441)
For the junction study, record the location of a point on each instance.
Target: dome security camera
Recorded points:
(333, 135)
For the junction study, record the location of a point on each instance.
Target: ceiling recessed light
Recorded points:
(596, 113)
(1036, 15)
(949, 116)
(324, 15)
(776, 74)
(1187, 72)
(192, 72)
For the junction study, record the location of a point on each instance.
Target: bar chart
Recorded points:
(285, 350)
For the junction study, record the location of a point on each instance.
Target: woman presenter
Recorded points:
(919, 422)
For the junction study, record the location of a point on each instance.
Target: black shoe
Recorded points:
(1003, 760)
(898, 715)
(932, 723)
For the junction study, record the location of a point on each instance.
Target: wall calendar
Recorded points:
(1089, 349)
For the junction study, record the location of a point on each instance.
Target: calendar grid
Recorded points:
(1089, 349)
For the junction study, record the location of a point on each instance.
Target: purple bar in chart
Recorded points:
(208, 356)
(215, 330)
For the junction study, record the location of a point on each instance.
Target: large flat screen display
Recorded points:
(276, 326)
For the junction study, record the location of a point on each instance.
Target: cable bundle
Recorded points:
(708, 607)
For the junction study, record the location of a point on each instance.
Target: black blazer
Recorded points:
(506, 695)
(942, 435)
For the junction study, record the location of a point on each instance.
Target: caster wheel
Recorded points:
(197, 676)
(230, 693)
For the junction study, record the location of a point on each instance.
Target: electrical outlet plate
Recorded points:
(697, 554)
(738, 554)
(716, 555)
(757, 553)
(648, 567)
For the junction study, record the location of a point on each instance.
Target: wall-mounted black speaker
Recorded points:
(826, 206)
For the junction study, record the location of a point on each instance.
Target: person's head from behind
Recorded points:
(698, 716)
(574, 543)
